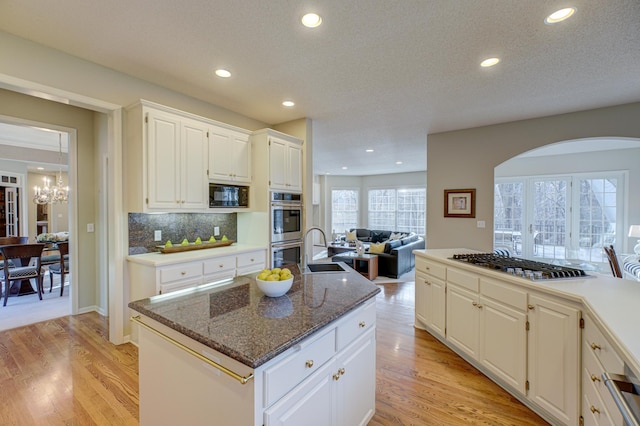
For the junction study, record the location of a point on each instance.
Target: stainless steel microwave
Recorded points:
(228, 196)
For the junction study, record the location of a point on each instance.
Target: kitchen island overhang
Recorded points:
(279, 349)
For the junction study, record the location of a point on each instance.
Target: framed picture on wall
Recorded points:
(459, 203)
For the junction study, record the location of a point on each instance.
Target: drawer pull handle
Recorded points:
(341, 371)
(594, 410)
(362, 324)
(427, 282)
(221, 265)
(595, 378)
(183, 273)
(477, 305)
(530, 307)
(309, 363)
(595, 346)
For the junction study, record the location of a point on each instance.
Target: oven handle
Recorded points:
(287, 205)
(297, 243)
(613, 383)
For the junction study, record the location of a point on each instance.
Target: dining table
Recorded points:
(24, 287)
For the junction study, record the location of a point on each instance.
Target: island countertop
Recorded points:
(238, 320)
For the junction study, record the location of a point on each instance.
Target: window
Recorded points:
(402, 210)
(568, 218)
(344, 209)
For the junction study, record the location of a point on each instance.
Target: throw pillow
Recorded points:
(376, 247)
(351, 235)
(395, 236)
(377, 236)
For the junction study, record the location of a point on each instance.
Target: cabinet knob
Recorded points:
(221, 265)
(252, 260)
(341, 371)
(594, 409)
(427, 282)
(183, 273)
(336, 376)
(530, 307)
(309, 363)
(362, 324)
(595, 346)
(595, 378)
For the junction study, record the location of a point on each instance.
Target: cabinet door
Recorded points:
(163, 161)
(312, 403)
(294, 167)
(194, 186)
(421, 289)
(356, 381)
(241, 157)
(277, 164)
(436, 302)
(554, 361)
(220, 155)
(503, 342)
(462, 319)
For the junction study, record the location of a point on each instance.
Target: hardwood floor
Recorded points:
(65, 372)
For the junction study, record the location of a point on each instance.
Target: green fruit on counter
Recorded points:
(168, 244)
(184, 242)
(198, 240)
(212, 239)
(224, 238)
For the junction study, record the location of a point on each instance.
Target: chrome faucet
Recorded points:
(304, 243)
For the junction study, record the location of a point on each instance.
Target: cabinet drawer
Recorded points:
(353, 326)
(592, 382)
(463, 279)
(435, 269)
(599, 345)
(218, 264)
(256, 258)
(286, 374)
(181, 272)
(503, 292)
(594, 410)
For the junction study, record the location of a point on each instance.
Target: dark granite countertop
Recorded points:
(238, 320)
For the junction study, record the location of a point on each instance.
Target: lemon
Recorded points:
(273, 277)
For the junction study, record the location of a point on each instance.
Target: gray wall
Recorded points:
(467, 159)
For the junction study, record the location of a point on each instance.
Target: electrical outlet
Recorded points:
(216, 231)
(90, 227)
(157, 235)
(481, 224)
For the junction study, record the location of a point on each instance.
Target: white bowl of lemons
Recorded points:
(275, 282)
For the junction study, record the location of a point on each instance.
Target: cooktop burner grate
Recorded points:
(521, 267)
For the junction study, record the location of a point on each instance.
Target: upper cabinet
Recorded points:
(285, 159)
(165, 156)
(229, 156)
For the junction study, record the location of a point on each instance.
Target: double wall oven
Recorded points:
(286, 228)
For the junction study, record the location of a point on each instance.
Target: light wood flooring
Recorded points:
(65, 372)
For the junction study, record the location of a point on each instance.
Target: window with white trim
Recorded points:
(344, 209)
(398, 209)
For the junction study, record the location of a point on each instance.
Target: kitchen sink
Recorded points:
(323, 268)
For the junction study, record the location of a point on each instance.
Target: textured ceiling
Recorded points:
(377, 74)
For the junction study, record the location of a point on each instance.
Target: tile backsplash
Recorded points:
(176, 227)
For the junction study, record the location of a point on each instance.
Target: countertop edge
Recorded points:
(161, 259)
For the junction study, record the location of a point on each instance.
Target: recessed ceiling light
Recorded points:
(560, 15)
(398, 162)
(40, 168)
(288, 103)
(328, 173)
(344, 167)
(223, 73)
(311, 20)
(368, 150)
(489, 62)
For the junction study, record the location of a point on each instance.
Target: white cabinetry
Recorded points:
(285, 159)
(554, 357)
(149, 279)
(166, 167)
(328, 379)
(463, 313)
(229, 156)
(430, 295)
(598, 357)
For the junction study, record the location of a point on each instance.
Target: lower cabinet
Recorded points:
(554, 357)
(342, 392)
(525, 340)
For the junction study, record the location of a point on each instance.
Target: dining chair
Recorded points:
(613, 261)
(61, 268)
(4, 241)
(24, 269)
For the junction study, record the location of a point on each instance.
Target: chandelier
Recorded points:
(52, 194)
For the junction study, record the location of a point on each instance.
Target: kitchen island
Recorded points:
(547, 342)
(227, 354)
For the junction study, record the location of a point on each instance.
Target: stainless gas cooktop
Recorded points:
(521, 267)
